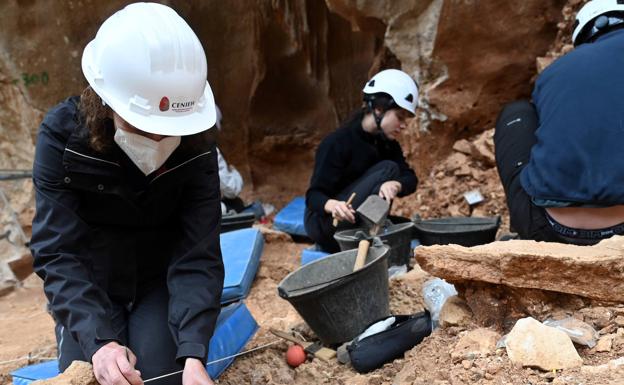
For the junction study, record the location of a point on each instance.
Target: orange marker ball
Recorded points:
(295, 356)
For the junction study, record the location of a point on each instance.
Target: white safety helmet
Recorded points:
(148, 65)
(589, 23)
(399, 85)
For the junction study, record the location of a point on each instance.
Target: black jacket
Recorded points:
(345, 155)
(102, 229)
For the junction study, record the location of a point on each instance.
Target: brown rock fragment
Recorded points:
(595, 272)
(78, 373)
(455, 312)
(474, 344)
(605, 343)
(22, 265)
(463, 146)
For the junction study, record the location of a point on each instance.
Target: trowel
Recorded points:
(373, 211)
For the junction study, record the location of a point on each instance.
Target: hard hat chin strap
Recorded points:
(378, 118)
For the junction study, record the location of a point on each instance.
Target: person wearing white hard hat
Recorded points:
(362, 156)
(126, 230)
(559, 157)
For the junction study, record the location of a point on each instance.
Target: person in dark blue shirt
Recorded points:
(560, 157)
(362, 156)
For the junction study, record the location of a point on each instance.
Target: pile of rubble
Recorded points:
(471, 167)
(508, 287)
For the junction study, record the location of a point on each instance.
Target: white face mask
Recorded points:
(147, 154)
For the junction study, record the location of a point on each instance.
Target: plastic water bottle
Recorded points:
(435, 292)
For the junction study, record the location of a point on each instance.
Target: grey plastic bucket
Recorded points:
(336, 302)
(397, 237)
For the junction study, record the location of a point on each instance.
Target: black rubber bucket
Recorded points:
(397, 237)
(336, 302)
(464, 231)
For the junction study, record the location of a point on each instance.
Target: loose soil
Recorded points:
(27, 331)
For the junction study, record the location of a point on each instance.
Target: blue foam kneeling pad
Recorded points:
(312, 254)
(31, 373)
(241, 250)
(235, 327)
(290, 218)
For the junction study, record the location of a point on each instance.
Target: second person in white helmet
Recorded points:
(362, 156)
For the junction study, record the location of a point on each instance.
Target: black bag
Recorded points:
(375, 350)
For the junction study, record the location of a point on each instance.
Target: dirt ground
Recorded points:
(26, 330)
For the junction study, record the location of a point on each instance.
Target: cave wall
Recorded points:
(286, 72)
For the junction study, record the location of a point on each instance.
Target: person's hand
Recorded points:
(113, 364)
(389, 190)
(340, 210)
(195, 373)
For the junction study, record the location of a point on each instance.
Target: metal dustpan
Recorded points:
(374, 212)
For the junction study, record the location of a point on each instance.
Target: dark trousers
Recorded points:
(319, 226)
(514, 137)
(144, 330)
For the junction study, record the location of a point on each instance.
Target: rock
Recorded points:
(532, 344)
(455, 312)
(483, 148)
(358, 379)
(456, 161)
(463, 146)
(78, 373)
(542, 62)
(22, 265)
(599, 316)
(6, 288)
(589, 271)
(474, 344)
(493, 367)
(464, 170)
(619, 320)
(613, 365)
(605, 343)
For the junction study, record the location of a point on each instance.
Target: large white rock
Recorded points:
(531, 343)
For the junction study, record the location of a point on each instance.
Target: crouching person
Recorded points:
(559, 158)
(126, 231)
(362, 156)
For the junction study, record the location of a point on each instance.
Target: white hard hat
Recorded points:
(397, 84)
(148, 65)
(591, 11)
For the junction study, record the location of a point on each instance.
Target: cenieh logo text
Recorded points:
(182, 106)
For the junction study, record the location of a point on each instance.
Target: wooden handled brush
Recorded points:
(335, 222)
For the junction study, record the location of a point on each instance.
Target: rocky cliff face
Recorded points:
(287, 72)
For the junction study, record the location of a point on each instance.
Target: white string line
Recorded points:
(216, 361)
(42, 358)
(28, 357)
